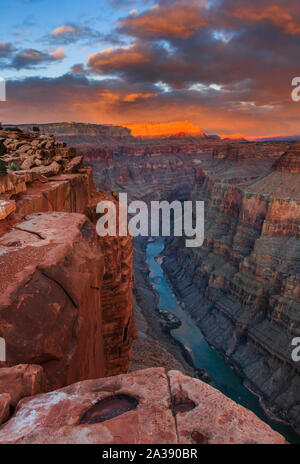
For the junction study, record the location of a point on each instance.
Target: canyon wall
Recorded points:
(242, 286)
(66, 294)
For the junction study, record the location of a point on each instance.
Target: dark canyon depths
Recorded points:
(242, 287)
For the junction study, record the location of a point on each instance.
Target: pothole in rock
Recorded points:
(182, 403)
(108, 408)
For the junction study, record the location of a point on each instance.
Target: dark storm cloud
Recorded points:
(29, 58)
(77, 98)
(6, 49)
(184, 44)
(178, 19)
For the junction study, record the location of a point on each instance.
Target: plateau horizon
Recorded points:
(186, 220)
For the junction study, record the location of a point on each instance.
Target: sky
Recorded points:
(225, 65)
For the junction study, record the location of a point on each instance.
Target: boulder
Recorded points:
(21, 381)
(52, 170)
(73, 165)
(27, 163)
(6, 208)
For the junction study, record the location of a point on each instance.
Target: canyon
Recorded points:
(241, 287)
(68, 313)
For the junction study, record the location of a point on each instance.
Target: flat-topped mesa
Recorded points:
(243, 150)
(165, 130)
(289, 161)
(74, 130)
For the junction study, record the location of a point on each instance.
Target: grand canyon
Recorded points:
(149, 227)
(77, 307)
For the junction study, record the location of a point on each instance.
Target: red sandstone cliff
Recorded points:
(60, 308)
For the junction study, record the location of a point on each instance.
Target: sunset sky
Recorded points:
(226, 65)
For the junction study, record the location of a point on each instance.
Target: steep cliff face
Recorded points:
(58, 304)
(290, 161)
(242, 287)
(243, 151)
(119, 328)
(51, 275)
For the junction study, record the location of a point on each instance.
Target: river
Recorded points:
(203, 356)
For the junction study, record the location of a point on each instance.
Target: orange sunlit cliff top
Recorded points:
(168, 129)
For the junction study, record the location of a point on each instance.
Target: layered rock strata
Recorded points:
(242, 286)
(59, 307)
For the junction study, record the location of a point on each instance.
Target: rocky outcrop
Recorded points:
(289, 161)
(21, 381)
(58, 301)
(149, 407)
(36, 152)
(243, 150)
(51, 276)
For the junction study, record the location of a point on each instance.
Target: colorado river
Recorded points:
(203, 356)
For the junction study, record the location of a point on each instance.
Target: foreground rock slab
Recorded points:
(51, 271)
(150, 407)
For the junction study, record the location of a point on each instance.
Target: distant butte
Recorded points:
(165, 129)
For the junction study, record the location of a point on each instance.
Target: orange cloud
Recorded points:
(118, 58)
(132, 97)
(278, 15)
(177, 21)
(62, 30)
(58, 54)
